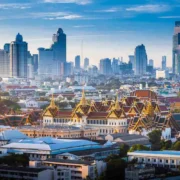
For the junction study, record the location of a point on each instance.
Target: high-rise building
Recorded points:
(59, 46)
(140, 60)
(163, 62)
(18, 57)
(46, 62)
(35, 62)
(105, 66)
(86, 63)
(7, 47)
(176, 48)
(151, 62)
(131, 59)
(4, 63)
(77, 62)
(50, 59)
(115, 66)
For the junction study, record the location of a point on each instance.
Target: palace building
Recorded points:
(139, 113)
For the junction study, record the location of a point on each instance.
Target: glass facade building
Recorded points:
(18, 57)
(176, 49)
(140, 60)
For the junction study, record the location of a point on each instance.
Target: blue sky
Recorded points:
(108, 28)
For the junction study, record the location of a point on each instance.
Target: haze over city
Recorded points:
(108, 28)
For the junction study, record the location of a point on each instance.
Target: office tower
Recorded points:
(45, 62)
(151, 62)
(115, 67)
(7, 47)
(176, 48)
(59, 46)
(105, 66)
(35, 62)
(18, 57)
(140, 60)
(30, 66)
(4, 63)
(131, 59)
(77, 62)
(163, 62)
(86, 63)
(50, 59)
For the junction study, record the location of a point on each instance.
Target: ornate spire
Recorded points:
(28, 120)
(150, 109)
(116, 106)
(83, 101)
(52, 104)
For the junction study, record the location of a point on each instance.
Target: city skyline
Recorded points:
(107, 28)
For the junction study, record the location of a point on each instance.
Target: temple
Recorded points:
(138, 113)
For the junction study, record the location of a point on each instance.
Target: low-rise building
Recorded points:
(139, 172)
(7, 172)
(168, 159)
(78, 169)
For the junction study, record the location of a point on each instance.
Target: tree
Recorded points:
(116, 169)
(138, 147)
(176, 146)
(155, 139)
(123, 150)
(166, 145)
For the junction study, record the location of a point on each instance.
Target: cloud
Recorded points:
(68, 17)
(15, 6)
(110, 10)
(81, 2)
(55, 15)
(150, 8)
(169, 17)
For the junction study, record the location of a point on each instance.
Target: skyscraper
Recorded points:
(18, 57)
(50, 59)
(151, 62)
(140, 60)
(4, 63)
(35, 62)
(115, 66)
(131, 59)
(86, 63)
(77, 62)
(7, 47)
(163, 62)
(105, 66)
(176, 48)
(59, 46)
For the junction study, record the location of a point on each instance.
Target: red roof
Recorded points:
(97, 115)
(163, 108)
(64, 114)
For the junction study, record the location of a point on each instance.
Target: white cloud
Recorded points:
(81, 2)
(169, 17)
(68, 17)
(110, 10)
(149, 8)
(15, 6)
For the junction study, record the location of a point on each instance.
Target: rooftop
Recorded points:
(67, 161)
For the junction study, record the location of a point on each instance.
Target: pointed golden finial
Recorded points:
(116, 106)
(83, 101)
(52, 103)
(28, 120)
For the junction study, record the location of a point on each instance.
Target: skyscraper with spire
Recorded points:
(18, 57)
(176, 49)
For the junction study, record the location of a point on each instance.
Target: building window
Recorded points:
(166, 161)
(154, 160)
(172, 161)
(160, 160)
